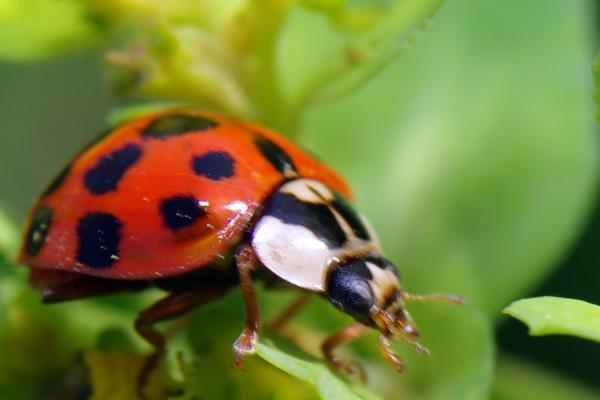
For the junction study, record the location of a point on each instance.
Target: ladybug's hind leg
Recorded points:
(172, 306)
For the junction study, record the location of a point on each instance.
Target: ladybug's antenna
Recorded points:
(432, 297)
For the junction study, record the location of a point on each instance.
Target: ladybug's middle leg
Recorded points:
(247, 262)
(174, 305)
(279, 322)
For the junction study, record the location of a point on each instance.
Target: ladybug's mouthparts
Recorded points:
(398, 326)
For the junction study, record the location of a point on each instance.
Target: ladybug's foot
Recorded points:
(149, 365)
(348, 367)
(243, 346)
(157, 340)
(388, 353)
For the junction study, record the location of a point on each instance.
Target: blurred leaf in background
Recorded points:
(37, 29)
(254, 59)
(474, 155)
(9, 241)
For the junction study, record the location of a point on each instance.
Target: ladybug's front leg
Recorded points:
(346, 335)
(246, 262)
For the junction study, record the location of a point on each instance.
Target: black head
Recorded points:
(368, 288)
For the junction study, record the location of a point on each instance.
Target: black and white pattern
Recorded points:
(306, 227)
(384, 281)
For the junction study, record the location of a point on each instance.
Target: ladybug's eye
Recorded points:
(349, 290)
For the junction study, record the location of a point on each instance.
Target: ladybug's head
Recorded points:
(368, 288)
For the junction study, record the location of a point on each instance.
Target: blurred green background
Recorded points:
(475, 155)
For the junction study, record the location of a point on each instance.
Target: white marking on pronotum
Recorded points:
(292, 252)
(308, 190)
(383, 282)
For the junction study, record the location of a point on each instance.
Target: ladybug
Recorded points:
(196, 203)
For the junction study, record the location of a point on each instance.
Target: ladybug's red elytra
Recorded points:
(193, 202)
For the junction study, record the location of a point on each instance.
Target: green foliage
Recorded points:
(468, 176)
(474, 160)
(8, 242)
(467, 179)
(328, 385)
(113, 375)
(254, 59)
(557, 316)
(356, 39)
(37, 29)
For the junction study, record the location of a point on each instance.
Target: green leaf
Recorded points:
(274, 373)
(36, 29)
(557, 316)
(328, 385)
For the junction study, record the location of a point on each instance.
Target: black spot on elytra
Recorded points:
(60, 178)
(108, 171)
(316, 217)
(342, 206)
(99, 236)
(278, 158)
(215, 165)
(178, 124)
(179, 212)
(348, 288)
(58, 181)
(38, 230)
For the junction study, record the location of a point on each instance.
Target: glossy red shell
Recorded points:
(147, 248)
